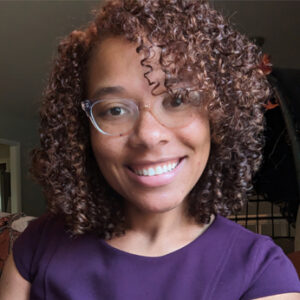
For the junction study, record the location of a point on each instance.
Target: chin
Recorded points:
(156, 206)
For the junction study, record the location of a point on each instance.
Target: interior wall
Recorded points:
(278, 22)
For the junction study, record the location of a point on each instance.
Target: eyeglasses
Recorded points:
(119, 116)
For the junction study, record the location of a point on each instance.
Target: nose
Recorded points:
(148, 132)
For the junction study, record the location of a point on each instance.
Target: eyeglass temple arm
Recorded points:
(86, 106)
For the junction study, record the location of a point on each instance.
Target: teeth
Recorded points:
(157, 170)
(151, 172)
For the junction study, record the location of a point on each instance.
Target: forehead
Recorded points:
(116, 61)
(113, 53)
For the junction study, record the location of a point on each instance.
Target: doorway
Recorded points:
(10, 176)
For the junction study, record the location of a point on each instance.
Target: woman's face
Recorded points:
(150, 146)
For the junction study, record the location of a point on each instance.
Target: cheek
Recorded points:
(198, 139)
(108, 160)
(204, 147)
(197, 135)
(105, 149)
(108, 152)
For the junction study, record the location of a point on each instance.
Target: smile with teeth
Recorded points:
(156, 169)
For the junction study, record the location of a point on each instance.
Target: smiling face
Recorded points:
(153, 167)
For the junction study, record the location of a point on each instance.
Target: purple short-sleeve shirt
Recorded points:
(226, 262)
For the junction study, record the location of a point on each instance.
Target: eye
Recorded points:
(112, 110)
(175, 103)
(116, 111)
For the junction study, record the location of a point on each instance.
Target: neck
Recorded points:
(156, 234)
(155, 227)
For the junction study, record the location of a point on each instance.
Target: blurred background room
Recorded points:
(30, 32)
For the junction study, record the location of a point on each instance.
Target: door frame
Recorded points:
(15, 171)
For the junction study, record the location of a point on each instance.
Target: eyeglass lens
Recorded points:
(119, 116)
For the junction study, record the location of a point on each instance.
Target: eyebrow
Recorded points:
(107, 90)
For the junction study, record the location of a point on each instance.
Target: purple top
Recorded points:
(226, 262)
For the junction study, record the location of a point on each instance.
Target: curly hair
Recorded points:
(196, 42)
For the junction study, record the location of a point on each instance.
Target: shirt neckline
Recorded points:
(192, 244)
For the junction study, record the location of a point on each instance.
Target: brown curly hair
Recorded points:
(195, 41)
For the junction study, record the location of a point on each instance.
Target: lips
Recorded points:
(154, 169)
(170, 169)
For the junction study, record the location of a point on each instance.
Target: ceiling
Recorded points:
(31, 30)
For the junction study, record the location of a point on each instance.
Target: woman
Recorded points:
(151, 130)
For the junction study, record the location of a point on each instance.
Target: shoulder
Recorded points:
(34, 242)
(260, 266)
(254, 251)
(37, 228)
(240, 236)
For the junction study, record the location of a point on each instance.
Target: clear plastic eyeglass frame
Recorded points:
(87, 107)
